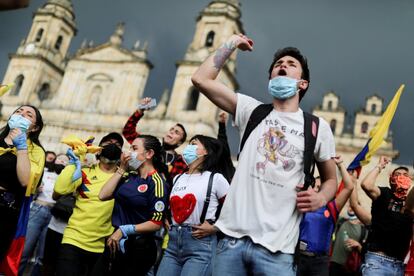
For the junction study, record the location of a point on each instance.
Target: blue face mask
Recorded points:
(283, 87)
(18, 121)
(190, 154)
(134, 163)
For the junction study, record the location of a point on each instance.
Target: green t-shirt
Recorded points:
(340, 250)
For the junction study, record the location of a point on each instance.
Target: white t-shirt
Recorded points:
(48, 183)
(57, 225)
(261, 202)
(190, 190)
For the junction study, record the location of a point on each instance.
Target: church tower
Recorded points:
(38, 65)
(215, 24)
(332, 112)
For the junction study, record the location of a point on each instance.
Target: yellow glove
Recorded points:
(5, 87)
(80, 147)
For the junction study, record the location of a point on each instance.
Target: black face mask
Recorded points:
(59, 168)
(111, 152)
(50, 166)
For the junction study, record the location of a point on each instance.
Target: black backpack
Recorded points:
(311, 126)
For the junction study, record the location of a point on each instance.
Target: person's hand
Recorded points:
(383, 162)
(113, 242)
(166, 224)
(19, 139)
(223, 117)
(74, 160)
(125, 157)
(144, 101)
(241, 42)
(338, 160)
(203, 230)
(309, 200)
(353, 244)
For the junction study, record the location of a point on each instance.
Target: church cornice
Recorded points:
(228, 16)
(225, 69)
(79, 55)
(69, 22)
(45, 60)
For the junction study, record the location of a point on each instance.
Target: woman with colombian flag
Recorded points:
(22, 160)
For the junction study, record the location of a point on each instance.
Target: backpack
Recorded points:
(311, 125)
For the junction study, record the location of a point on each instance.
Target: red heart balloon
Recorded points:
(181, 208)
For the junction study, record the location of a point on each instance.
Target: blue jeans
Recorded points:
(243, 257)
(39, 219)
(381, 266)
(186, 255)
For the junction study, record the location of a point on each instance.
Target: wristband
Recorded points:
(120, 171)
(127, 229)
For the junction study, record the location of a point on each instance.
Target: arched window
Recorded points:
(373, 108)
(364, 127)
(44, 91)
(58, 42)
(18, 83)
(330, 105)
(96, 94)
(39, 35)
(210, 39)
(193, 99)
(333, 125)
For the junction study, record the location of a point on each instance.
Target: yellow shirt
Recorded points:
(90, 222)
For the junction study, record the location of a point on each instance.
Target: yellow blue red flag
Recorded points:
(377, 134)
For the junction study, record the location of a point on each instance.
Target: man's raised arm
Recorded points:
(204, 79)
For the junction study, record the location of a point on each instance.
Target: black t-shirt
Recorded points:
(8, 173)
(391, 230)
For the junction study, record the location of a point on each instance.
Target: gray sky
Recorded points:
(356, 48)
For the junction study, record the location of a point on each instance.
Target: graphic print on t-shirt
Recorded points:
(275, 148)
(83, 188)
(181, 208)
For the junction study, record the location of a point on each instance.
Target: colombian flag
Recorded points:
(10, 264)
(376, 137)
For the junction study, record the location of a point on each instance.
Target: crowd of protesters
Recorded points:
(145, 209)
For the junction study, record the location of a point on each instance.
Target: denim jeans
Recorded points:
(39, 219)
(186, 255)
(243, 257)
(381, 266)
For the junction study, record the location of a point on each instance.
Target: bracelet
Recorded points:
(120, 171)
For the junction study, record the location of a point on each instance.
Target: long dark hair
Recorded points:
(152, 143)
(214, 160)
(34, 135)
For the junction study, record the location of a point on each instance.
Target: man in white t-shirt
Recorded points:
(261, 215)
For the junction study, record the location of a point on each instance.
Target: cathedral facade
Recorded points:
(95, 90)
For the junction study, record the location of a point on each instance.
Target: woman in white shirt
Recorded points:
(192, 236)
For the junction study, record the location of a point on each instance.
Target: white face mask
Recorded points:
(134, 163)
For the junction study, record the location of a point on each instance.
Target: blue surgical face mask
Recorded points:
(283, 87)
(134, 163)
(18, 121)
(190, 154)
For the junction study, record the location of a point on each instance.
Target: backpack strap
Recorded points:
(258, 114)
(311, 126)
(175, 181)
(207, 201)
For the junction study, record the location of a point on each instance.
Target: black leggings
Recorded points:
(52, 247)
(8, 218)
(74, 261)
(140, 255)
